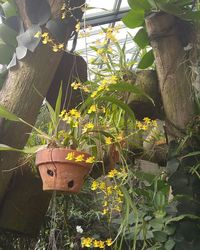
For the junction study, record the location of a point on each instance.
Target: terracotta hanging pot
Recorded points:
(60, 174)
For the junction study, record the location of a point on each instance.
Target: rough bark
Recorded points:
(169, 36)
(172, 68)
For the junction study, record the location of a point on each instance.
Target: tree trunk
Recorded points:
(169, 38)
(172, 64)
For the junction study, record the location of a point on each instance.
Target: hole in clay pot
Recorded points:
(70, 184)
(50, 172)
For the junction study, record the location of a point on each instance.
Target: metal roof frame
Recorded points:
(113, 16)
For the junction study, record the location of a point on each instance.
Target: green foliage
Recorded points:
(134, 18)
(140, 9)
(146, 222)
(65, 213)
(147, 60)
(8, 35)
(9, 8)
(141, 38)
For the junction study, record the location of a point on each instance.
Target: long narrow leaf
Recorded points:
(40, 133)
(120, 104)
(127, 87)
(26, 150)
(191, 154)
(4, 113)
(58, 102)
(4, 147)
(181, 217)
(52, 114)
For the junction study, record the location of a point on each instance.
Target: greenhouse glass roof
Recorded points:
(105, 11)
(102, 14)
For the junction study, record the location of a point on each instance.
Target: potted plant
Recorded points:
(61, 166)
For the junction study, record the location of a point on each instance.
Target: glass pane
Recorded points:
(84, 43)
(124, 4)
(100, 7)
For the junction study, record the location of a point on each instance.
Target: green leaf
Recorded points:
(160, 236)
(152, 4)
(8, 35)
(170, 8)
(141, 38)
(4, 113)
(120, 104)
(9, 9)
(28, 39)
(6, 52)
(170, 229)
(2, 78)
(172, 166)
(127, 87)
(157, 223)
(139, 4)
(58, 103)
(169, 245)
(159, 200)
(57, 29)
(26, 150)
(181, 217)
(32, 150)
(192, 16)
(52, 114)
(112, 100)
(4, 147)
(191, 154)
(147, 60)
(134, 18)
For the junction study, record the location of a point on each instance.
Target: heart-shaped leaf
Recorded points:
(139, 4)
(9, 9)
(141, 38)
(8, 35)
(15, 23)
(13, 62)
(28, 39)
(21, 52)
(6, 52)
(147, 60)
(134, 18)
(58, 29)
(160, 236)
(3, 73)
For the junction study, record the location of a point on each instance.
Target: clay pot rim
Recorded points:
(49, 151)
(63, 149)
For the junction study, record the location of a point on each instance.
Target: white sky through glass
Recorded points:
(100, 6)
